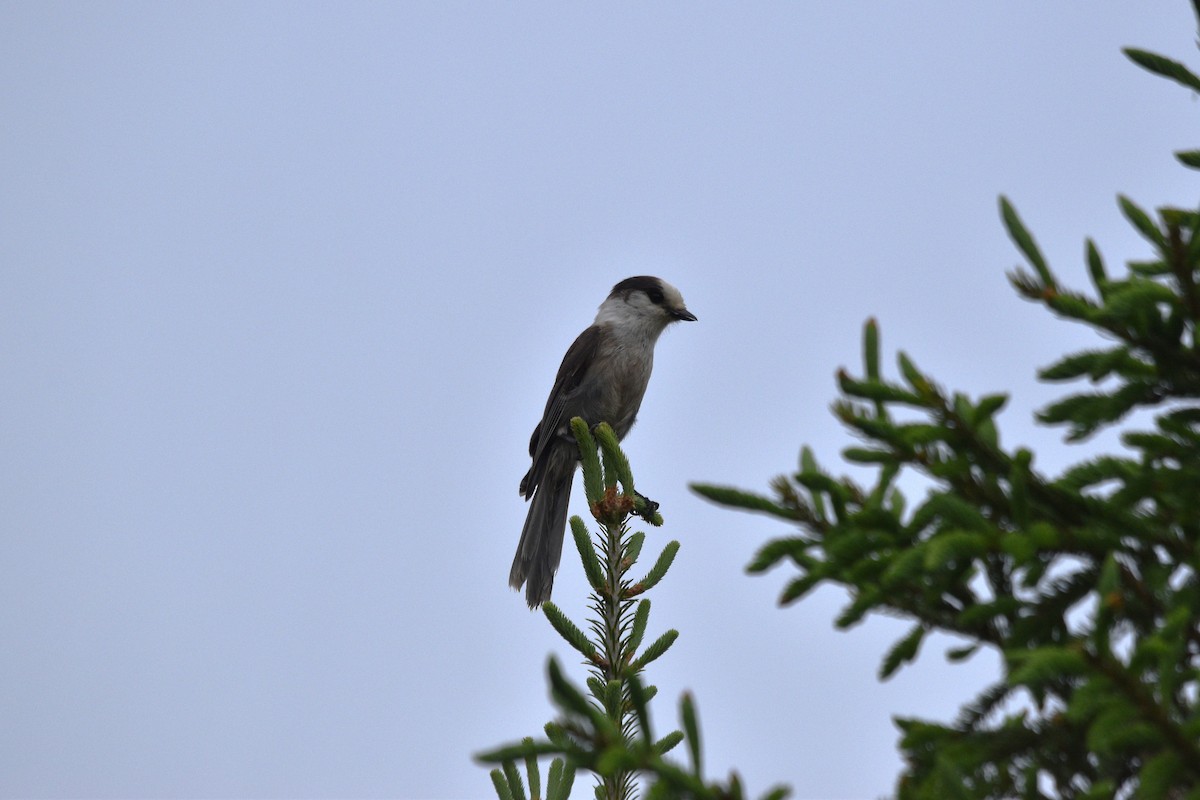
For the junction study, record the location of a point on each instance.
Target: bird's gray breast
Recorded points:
(624, 377)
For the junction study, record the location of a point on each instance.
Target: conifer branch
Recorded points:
(1085, 582)
(606, 730)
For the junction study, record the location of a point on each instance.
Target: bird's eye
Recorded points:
(655, 295)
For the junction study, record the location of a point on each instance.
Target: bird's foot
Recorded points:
(644, 507)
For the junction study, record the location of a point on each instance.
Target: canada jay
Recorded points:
(602, 379)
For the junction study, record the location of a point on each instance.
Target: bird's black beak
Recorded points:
(683, 314)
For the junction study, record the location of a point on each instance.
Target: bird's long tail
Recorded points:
(541, 543)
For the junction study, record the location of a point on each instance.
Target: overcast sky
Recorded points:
(283, 287)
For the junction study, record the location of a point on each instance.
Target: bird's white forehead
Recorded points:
(672, 296)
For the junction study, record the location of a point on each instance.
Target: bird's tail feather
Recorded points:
(541, 543)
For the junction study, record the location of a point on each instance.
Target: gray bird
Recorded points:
(602, 378)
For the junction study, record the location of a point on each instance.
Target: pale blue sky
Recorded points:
(283, 287)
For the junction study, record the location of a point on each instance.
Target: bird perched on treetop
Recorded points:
(602, 378)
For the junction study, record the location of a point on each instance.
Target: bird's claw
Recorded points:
(647, 508)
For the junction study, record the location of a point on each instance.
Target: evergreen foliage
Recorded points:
(1085, 582)
(606, 730)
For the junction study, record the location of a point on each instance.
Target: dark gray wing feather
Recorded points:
(563, 398)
